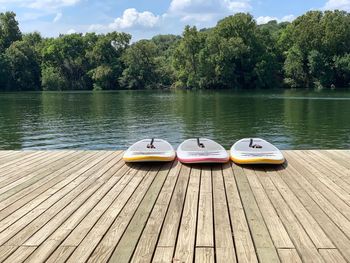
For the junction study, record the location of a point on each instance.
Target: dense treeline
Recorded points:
(311, 52)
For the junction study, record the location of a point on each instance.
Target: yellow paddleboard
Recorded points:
(150, 150)
(255, 151)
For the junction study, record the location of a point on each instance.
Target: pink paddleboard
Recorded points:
(201, 150)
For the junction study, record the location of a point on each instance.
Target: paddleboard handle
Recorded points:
(255, 145)
(200, 145)
(151, 144)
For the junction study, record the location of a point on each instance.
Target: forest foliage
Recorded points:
(311, 52)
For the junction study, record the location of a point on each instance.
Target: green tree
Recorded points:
(23, 67)
(238, 54)
(186, 57)
(313, 44)
(9, 30)
(342, 70)
(52, 79)
(3, 72)
(67, 54)
(105, 58)
(295, 75)
(166, 43)
(320, 71)
(141, 67)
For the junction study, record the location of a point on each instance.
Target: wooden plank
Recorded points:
(6, 251)
(36, 193)
(345, 154)
(80, 195)
(53, 241)
(35, 164)
(336, 175)
(289, 255)
(21, 171)
(328, 182)
(263, 243)
(127, 244)
(128, 212)
(242, 239)
(205, 255)
(20, 180)
(164, 255)
(334, 160)
(205, 224)
(31, 205)
(148, 241)
(184, 251)
(4, 153)
(295, 230)
(49, 207)
(332, 256)
(297, 167)
(171, 224)
(103, 216)
(19, 160)
(310, 225)
(22, 184)
(339, 157)
(20, 254)
(60, 255)
(332, 168)
(316, 207)
(81, 209)
(273, 222)
(110, 227)
(107, 245)
(11, 156)
(63, 208)
(224, 247)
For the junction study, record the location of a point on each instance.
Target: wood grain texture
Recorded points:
(89, 206)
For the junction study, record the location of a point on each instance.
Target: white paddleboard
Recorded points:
(150, 150)
(255, 151)
(202, 151)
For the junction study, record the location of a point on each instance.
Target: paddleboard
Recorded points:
(201, 150)
(255, 151)
(150, 150)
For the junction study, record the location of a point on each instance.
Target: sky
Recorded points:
(146, 18)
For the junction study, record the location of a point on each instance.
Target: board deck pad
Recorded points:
(257, 151)
(190, 152)
(162, 151)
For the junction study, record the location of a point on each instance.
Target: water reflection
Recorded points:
(113, 120)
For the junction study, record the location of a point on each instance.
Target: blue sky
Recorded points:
(144, 19)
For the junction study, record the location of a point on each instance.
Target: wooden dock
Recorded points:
(89, 206)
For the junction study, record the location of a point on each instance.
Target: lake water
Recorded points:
(114, 120)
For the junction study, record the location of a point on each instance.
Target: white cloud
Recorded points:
(57, 17)
(337, 4)
(197, 17)
(238, 6)
(71, 31)
(206, 10)
(265, 19)
(288, 18)
(30, 16)
(96, 28)
(131, 18)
